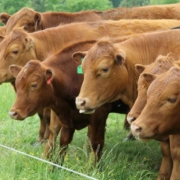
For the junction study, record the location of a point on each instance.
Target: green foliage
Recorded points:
(115, 2)
(11, 6)
(132, 3)
(79, 5)
(164, 1)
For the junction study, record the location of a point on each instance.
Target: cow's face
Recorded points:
(33, 87)
(161, 65)
(160, 116)
(105, 77)
(24, 19)
(16, 48)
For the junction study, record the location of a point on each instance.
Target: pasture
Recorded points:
(132, 160)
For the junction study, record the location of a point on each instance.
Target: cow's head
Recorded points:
(161, 65)
(16, 48)
(105, 76)
(33, 89)
(25, 18)
(160, 116)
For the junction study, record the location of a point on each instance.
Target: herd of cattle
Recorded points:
(130, 64)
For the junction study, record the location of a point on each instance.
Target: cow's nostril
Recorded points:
(130, 119)
(80, 102)
(13, 114)
(136, 129)
(83, 102)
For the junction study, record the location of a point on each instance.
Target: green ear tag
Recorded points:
(79, 68)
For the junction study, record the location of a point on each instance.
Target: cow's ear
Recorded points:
(4, 17)
(78, 56)
(14, 69)
(140, 68)
(37, 21)
(49, 76)
(120, 57)
(149, 77)
(29, 43)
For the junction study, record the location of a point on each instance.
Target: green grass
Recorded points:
(132, 160)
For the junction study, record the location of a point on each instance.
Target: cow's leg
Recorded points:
(175, 153)
(44, 116)
(54, 131)
(166, 164)
(66, 137)
(96, 133)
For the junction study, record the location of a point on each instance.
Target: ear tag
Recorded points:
(79, 68)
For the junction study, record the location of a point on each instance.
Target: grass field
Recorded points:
(130, 160)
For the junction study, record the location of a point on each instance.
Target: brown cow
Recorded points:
(165, 11)
(162, 64)
(59, 92)
(162, 94)
(112, 67)
(32, 20)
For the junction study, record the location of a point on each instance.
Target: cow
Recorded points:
(169, 148)
(32, 20)
(165, 11)
(162, 94)
(60, 92)
(161, 64)
(111, 66)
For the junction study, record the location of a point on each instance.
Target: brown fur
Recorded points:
(165, 11)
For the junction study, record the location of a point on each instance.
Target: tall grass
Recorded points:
(131, 160)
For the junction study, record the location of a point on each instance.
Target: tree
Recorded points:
(115, 2)
(164, 1)
(132, 3)
(11, 6)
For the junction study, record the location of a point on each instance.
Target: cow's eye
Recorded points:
(15, 52)
(26, 27)
(105, 70)
(172, 100)
(34, 85)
